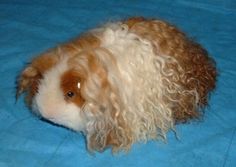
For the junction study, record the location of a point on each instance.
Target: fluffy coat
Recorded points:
(122, 83)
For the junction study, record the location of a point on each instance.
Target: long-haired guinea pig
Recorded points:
(122, 83)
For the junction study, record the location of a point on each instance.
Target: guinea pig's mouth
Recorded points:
(55, 121)
(50, 121)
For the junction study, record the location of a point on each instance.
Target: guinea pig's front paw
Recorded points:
(28, 82)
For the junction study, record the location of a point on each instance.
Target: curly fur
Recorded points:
(138, 78)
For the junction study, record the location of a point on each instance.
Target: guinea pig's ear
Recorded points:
(28, 81)
(29, 78)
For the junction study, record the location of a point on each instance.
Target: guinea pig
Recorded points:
(124, 82)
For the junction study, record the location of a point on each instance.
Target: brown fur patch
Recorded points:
(91, 68)
(69, 82)
(134, 20)
(199, 69)
(83, 43)
(97, 68)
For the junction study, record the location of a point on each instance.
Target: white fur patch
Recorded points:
(139, 80)
(50, 102)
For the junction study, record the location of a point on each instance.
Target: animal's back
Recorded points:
(189, 75)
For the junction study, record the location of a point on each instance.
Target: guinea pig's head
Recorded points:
(82, 93)
(61, 93)
(59, 98)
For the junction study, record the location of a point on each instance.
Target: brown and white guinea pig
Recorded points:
(122, 83)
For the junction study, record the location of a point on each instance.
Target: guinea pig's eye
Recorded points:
(70, 94)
